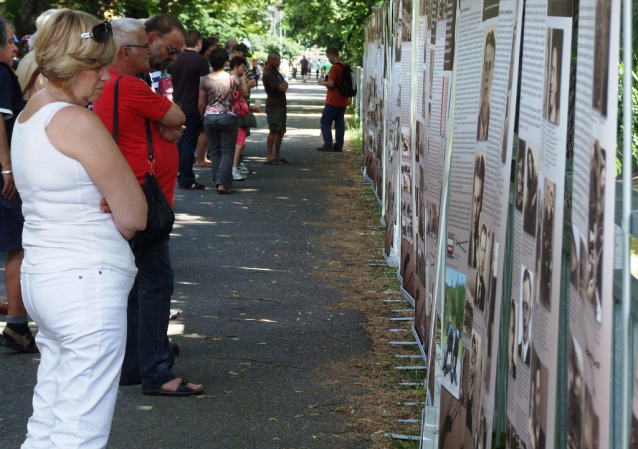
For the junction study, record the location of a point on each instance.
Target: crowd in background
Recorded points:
(101, 122)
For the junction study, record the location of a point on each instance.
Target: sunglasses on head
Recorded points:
(100, 33)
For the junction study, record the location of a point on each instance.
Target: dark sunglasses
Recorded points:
(100, 33)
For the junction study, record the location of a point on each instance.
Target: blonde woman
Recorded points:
(81, 202)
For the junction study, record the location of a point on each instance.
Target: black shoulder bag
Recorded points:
(160, 219)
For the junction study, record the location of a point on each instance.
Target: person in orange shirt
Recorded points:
(336, 104)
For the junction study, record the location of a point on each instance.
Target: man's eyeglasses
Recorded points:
(171, 51)
(100, 33)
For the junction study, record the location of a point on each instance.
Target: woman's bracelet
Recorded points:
(6, 172)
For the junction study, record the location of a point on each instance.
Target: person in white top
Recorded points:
(81, 202)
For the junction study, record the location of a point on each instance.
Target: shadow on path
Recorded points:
(256, 326)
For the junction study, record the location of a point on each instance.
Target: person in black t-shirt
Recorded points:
(16, 334)
(304, 68)
(275, 86)
(185, 74)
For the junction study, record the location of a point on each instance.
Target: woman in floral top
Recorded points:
(220, 121)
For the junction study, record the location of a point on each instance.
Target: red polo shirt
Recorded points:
(137, 102)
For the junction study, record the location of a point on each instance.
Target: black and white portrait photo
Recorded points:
(601, 56)
(525, 320)
(472, 389)
(554, 66)
(406, 177)
(483, 265)
(531, 190)
(575, 386)
(513, 335)
(406, 141)
(545, 245)
(537, 403)
(520, 174)
(591, 423)
(433, 220)
(487, 76)
(490, 308)
(477, 206)
(397, 40)
(406, 20)
(595, 231)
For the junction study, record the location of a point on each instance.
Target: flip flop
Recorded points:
(284, 161)
(182, 391)
(273, 162)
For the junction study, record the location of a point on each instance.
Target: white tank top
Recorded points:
(64, 227)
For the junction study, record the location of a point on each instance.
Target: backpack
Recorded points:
(348, 87)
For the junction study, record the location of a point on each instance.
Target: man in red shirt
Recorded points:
(336, 104)
(149, 356)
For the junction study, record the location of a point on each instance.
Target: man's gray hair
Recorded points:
(230, 43)
(125, 31)
(272, 55)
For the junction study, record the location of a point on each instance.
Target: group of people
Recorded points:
(83, 129)
(306, 66)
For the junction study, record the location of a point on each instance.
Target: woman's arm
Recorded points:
(79, 134)
(201, 103)
(241, 85)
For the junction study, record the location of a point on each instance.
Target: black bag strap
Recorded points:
(149, 136)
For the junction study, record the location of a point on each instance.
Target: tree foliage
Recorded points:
(330, 23)
(221, 18)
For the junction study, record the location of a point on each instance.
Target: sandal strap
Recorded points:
(23, 340)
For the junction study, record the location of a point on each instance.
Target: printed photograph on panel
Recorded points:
(559, 8)
(595, 231)
(520, 174)
(423, 6)
(545, 245)
(433, 220)
(531, 190)
(575, 386)
(472, 388)
(601, 56)
(406, 221)
(406, 141)
(513, 337)
(450, 36)
(406, 177)
(406, 20)
(421, 135)
(583, 268)
(477, 206)
(525, 321)
(575, 257)
(397, 43)
(451, 337)
(487, 76)
(468, 317)
(399, 97)
(509, 89)
(391, 219)
(421, 206)
(433, 21)
(490, 307)
(537, 426)
(551, 83)
(483, 264)
(481, 438)
(513, 440)
(591, 423)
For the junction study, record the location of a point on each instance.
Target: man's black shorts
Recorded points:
(304, 71)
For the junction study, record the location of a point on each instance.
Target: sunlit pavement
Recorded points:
(254, 324)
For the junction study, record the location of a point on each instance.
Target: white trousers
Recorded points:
(82, 338)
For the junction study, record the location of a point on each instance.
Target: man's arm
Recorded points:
(283, 86)
(9, 191)
(329, 84)
(174, 118)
